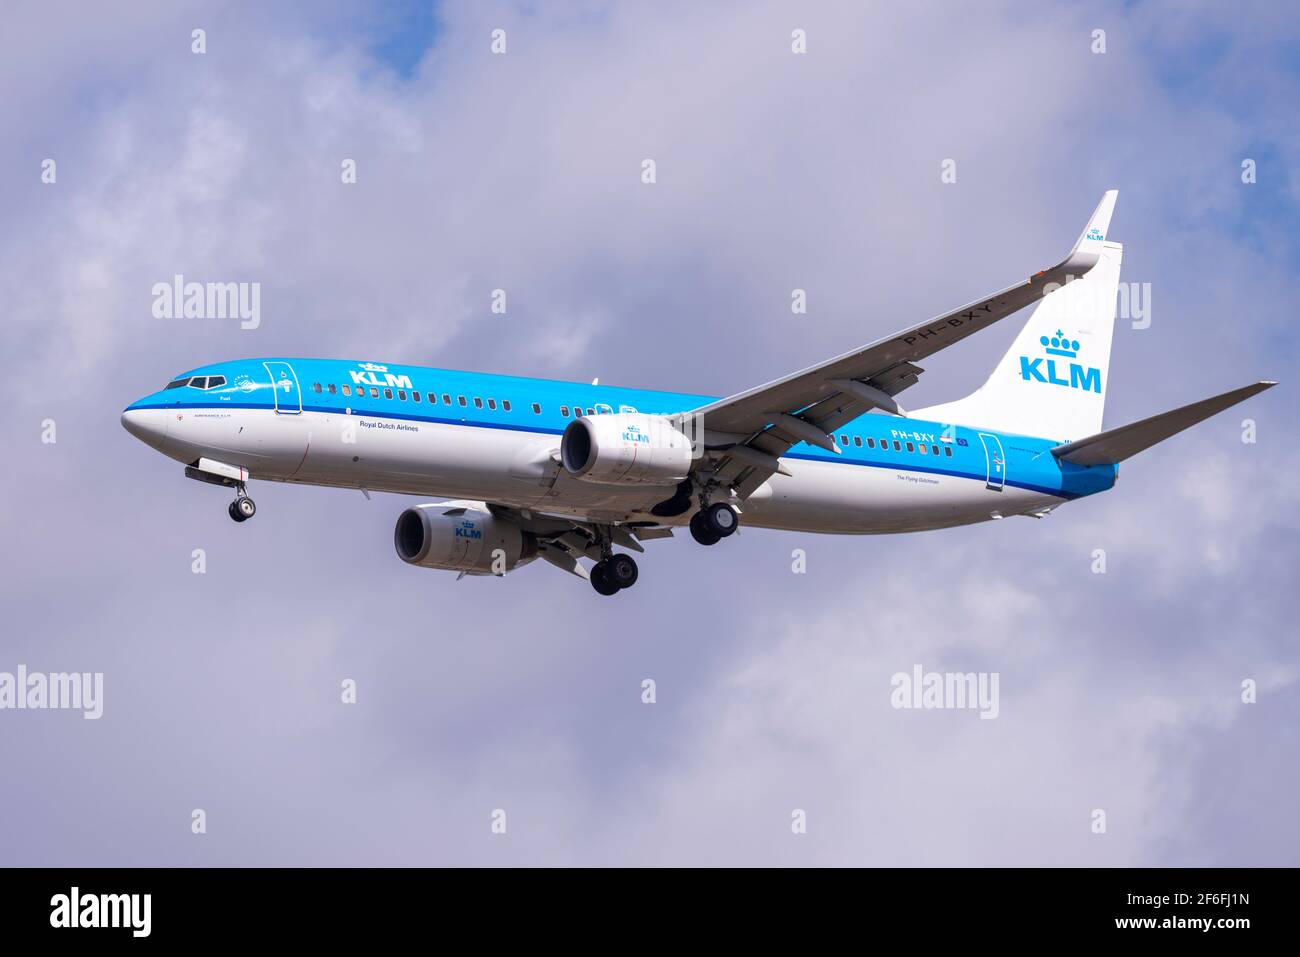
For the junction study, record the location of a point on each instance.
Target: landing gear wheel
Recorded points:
(601, 581)
(242, 509)
(621, 570)
(721, 519)
(701, 532)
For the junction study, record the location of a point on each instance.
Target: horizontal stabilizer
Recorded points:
(1115, 445)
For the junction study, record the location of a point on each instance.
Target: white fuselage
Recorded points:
(520, 469)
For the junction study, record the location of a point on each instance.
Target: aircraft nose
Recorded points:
(147, 425)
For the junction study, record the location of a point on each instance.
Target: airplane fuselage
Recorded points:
(495, 438)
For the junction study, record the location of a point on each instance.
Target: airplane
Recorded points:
(567, 472)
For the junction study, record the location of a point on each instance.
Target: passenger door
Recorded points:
(994, 462)
(284, 383)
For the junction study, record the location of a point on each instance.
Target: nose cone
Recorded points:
(147, 425)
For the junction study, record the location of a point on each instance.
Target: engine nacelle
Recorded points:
(626, 449)
(460, 538)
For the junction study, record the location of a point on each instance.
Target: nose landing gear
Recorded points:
(227, 476)
(242, 508)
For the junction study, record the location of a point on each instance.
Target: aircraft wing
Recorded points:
(808, 405)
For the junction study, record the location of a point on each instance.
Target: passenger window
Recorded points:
(947, 450)
(347, 390)
(844, 439)
(415, 396)
(478, 403)
(446, 399)
(461, 400)
(333, 389)
(505, 404)
(934, 449)
(401, 394)
(388, 393)
(492, 403)
(537, 409)
(564, 411)
(857, 440)
(897, 447)
(374, 393)
(591, 411)
(433, 398)
(315, 387)
(925, 450)
(911, 447)
(871, 443)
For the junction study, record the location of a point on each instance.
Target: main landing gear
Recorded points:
(611, 575)
(613, 572)
(242, 508)
(713, 523)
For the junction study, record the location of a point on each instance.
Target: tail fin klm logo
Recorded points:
(1045, 370)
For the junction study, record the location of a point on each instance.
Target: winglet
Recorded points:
(1087, 251)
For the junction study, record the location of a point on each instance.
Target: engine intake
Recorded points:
(460, 538)
(626, 449)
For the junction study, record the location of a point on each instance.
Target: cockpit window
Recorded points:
(198, 382)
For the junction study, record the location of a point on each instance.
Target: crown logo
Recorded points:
(373, 367)
(1095, 234)
(1060, 345)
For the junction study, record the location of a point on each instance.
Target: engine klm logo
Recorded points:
(1045, 369)
(468, 530)
(634, 434)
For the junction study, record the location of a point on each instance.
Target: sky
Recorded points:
(1120, 692)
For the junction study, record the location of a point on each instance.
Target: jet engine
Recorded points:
(626, 449)
(461, 538)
